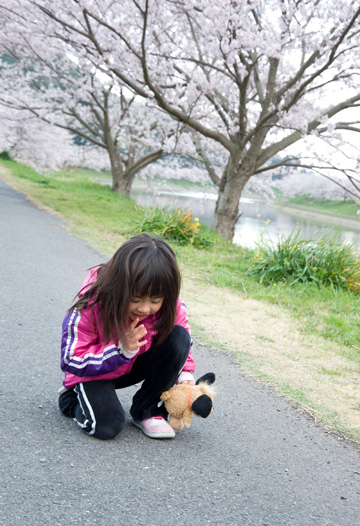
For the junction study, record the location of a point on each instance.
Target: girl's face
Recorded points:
(143, 307)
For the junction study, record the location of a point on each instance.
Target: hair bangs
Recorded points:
(150, 279)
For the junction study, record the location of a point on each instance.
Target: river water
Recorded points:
(259, 217)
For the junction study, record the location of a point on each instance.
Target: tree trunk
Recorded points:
(123, 173)
(227, 204)
(120, 184)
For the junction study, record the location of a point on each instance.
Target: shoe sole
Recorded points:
(151, 434)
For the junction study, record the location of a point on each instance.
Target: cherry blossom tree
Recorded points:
(248, 79)
(41, 79)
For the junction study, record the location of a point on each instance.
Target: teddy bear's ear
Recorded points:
(202, 406)
(209, 378)
(165, 396)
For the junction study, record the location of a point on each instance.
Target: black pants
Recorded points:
(95, 405)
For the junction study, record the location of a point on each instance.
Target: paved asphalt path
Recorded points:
(256, 461)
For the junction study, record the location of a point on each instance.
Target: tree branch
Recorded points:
(207, 163)
(178, 114)
(272, 150)
(141, 163)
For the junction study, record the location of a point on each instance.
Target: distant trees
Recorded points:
(245, 80)
(316, 186)
(36, 143)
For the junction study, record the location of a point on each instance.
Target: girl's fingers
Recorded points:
(134, 323)
(136, 332)
(138, 335)
(141, 333)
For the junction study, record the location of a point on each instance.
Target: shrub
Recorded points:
(325, 262)
(5, 155)
(175, 225)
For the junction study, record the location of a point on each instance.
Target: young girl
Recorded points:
(126, 326)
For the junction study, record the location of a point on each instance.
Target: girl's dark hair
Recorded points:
(142, 266)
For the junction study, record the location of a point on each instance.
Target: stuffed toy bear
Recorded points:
(182, 400)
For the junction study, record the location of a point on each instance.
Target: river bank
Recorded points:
(336, 219)
(184, 188)
(260, 219)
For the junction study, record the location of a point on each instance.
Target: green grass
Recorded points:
(348, 208)
(106, 218)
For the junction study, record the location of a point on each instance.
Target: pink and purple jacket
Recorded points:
(85, 357)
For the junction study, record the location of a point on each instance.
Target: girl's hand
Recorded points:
(134, 335)
(188, 382)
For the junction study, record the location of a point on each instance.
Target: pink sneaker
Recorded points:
(155, 427)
